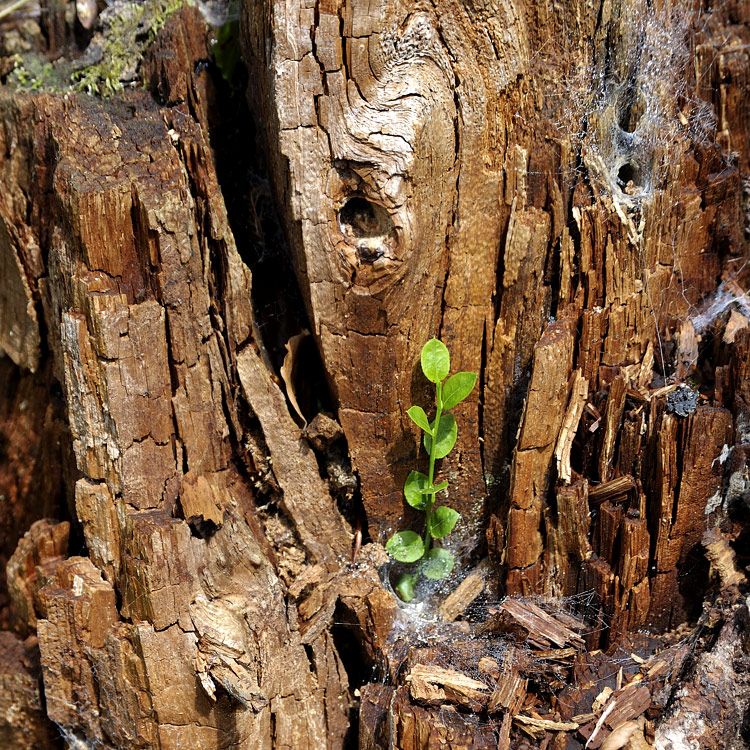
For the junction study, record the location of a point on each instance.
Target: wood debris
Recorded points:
(38, 553)
(615, 491)
(289, 367)
(509, 694)
(537, 626)
(578, 393)
(544, 725)
(621, 706)
(465, 593)
(435, 685)
(737, 321)
(602, 700)
(620, 736)
(722, 557)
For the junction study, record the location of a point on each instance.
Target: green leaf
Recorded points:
(437, 564)
(457, 388)
(419, 418)
(405, 586)
(405, 546)
(415, 489)
(431, 490)
(446, 437)
(442, 521)
(436, 361)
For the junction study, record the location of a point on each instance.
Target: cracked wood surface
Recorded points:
(362, 109)
(425, 162)
(197, 647)
(428, 188)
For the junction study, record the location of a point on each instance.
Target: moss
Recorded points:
(112, 58)
(129, 28)
(164, 10)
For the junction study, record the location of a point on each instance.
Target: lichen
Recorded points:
(34, 73)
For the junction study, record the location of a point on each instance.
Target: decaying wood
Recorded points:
(538, 726)
(722, 557)
(147, 360)
(604, 699)
(615, 491)
(511, 688)
(540, 628)
(39, 552)
(36, 467)
(343, 95)
(544, 188)
(578, 394)
(714, 696)
(465, 593)
(23, 720)
(435, 686)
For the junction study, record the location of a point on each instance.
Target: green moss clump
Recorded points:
(164, 9)
(129, 28)
(112, 58)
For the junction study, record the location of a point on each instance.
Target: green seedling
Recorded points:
(420, 489)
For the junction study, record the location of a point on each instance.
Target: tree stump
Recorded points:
(561, 195)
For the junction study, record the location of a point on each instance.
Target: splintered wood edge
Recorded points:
(465, 593)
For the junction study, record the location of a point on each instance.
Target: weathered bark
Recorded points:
(149, 328)
(543, 188)
(446, 127)
(371, 105)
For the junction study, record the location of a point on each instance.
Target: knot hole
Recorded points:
(367, 226)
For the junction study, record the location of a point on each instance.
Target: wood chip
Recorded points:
(436, 685)
(556, 654)
(545, 725)
(687, 349)
(543, 629)
(465, 593)
(737, 321)
(288, 367)
(509, 694)
(620, 736)
(722, 558)
(646, 374)
(623, 705)
(488, 665)
(616, 490)
(612, 421)
(584, 718)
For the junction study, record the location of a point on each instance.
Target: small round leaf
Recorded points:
(436, 361)
(419, 418)
(414, 490)
(432, 489)
(405, 546)
(437, 564)
(457, 388)
(405, 586)
(446, 437)
(442, 521)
